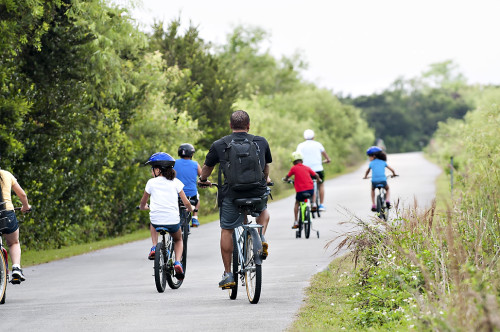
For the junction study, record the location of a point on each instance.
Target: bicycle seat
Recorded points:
(161, 229)
(247, 201)
(379, 186)
(306, 195)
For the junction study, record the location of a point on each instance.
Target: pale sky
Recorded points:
(354, 46)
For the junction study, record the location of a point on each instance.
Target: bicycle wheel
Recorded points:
(301, 223)
(160, 267)
(185, 235)
(317, 204)
(307, 222)
(253, 272)
(172, 280)
(3, 278)
(381, 208)
(233, 291)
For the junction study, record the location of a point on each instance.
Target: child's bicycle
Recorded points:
(382, 208)
(164, 271)
(247, 250)
(164, 260)
(185, 219)
(305, 221)
(4, 260)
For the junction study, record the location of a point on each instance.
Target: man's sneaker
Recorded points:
(195, 222)
(374, 208)
(151, 255)
(388, 204)
(227, 281)
(17, 275)
(179, 271)
(265, 253)
(295, 224)
(321, 207)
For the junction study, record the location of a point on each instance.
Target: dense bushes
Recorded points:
(85, 98)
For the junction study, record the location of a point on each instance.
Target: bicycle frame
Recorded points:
(241, 242)
(382, 211)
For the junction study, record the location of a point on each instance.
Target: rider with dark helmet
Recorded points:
(188, 172)
(162, 192)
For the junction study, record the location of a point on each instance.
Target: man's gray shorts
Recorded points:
(230, 216)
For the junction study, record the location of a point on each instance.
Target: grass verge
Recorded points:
(326, 298)
(34, 257)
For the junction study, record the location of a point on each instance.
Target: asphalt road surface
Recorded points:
(113, 289)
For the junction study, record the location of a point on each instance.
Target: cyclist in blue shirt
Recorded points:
(188, 172)
(378, 163)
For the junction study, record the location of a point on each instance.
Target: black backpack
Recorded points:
(242, 169)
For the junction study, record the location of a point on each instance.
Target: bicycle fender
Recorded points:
(257, 246)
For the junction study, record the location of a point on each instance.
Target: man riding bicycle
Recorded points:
(230, 216)
(312, 152)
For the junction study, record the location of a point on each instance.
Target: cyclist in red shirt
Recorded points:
(303, 183)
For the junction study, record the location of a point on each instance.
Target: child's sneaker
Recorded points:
(295, 224)
(179, 271)
(388, 204)
(151, 255)
(321, 208)
(195, 222)
(17, 275)
(374, 208)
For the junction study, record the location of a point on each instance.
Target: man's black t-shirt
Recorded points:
(216, 155)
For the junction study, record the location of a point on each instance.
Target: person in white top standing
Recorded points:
(163, 191)
(313, 152)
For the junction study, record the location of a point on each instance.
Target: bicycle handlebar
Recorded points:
(202, 185)
(19, 209)
(391, 176)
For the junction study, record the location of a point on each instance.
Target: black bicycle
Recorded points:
(185, 220)
(164, 271)
(382, 208)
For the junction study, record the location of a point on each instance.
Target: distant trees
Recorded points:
(406, 115)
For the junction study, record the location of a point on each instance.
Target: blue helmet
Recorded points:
(161, 159)
(372, 150)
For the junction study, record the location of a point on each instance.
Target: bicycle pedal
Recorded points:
(15, 281)
(229, 286)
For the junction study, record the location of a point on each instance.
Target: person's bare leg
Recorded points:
(178, 245)
(263, 219)
(321, 193)
(226, 247)
(154, 235)
(14, 247)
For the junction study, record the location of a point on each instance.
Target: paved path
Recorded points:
(113, 289)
